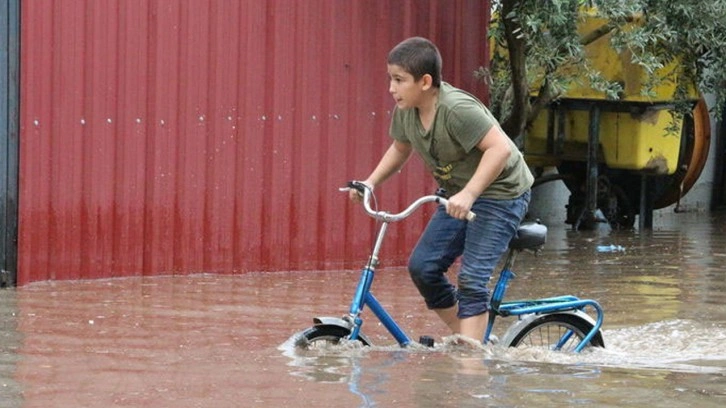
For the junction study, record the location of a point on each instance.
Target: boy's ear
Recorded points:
(426, 82)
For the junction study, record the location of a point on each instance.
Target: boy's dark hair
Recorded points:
(418, 56)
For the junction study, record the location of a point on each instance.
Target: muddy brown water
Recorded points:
(219, 341)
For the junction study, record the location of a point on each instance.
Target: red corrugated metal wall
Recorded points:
(164, 137)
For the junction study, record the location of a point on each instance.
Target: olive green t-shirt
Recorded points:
(449, 149)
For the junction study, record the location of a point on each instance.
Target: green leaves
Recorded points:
(679, 43)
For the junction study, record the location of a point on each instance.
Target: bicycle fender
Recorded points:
(525, 320)
(336, 321)
(332, 321)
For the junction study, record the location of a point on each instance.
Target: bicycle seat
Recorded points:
(530, 235)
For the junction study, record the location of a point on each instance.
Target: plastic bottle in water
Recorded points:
(610, 248)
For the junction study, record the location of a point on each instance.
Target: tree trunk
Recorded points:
(515, 124)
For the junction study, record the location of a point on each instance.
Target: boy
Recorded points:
(477, 165)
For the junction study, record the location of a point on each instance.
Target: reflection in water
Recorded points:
(10, 340)
(211, 340)
(352, 367)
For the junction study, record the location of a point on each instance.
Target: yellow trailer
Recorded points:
(634, 154)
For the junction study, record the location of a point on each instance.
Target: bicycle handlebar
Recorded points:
(390, 217)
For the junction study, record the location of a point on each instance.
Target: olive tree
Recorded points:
(541, 41)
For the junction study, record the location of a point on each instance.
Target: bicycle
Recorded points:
(558, 323)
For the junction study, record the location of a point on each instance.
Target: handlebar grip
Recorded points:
(357, 185)
(469, 216)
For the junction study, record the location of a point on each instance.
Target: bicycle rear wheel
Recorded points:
(322, 336)
(556, 331)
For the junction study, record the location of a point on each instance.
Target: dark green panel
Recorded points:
(9, 132)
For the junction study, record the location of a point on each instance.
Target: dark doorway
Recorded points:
(719, 181)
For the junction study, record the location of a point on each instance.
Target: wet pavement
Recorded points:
(218, 341)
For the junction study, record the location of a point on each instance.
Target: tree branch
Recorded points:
(597, 33)
(545, 96)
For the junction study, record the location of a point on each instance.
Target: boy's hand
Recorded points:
(460, 205)
(355, 196)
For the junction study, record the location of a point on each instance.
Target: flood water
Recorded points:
(219, 341)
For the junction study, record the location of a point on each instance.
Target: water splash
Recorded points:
(675, 345)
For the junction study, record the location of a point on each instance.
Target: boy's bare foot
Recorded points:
(461, 340)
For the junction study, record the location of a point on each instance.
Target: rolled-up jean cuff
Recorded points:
(443, 303)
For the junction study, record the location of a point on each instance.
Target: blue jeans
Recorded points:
(480, 243)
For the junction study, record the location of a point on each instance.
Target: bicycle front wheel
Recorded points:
(323, 336)
(556, 331)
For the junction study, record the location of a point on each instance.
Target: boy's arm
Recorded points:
(496, 148)
(391, 162)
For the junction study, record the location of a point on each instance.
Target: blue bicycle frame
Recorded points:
(363, 296)
(538, 306)
(532, 240)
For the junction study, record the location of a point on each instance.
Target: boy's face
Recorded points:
(405, 90)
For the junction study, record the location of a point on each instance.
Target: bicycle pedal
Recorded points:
(427, 341)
